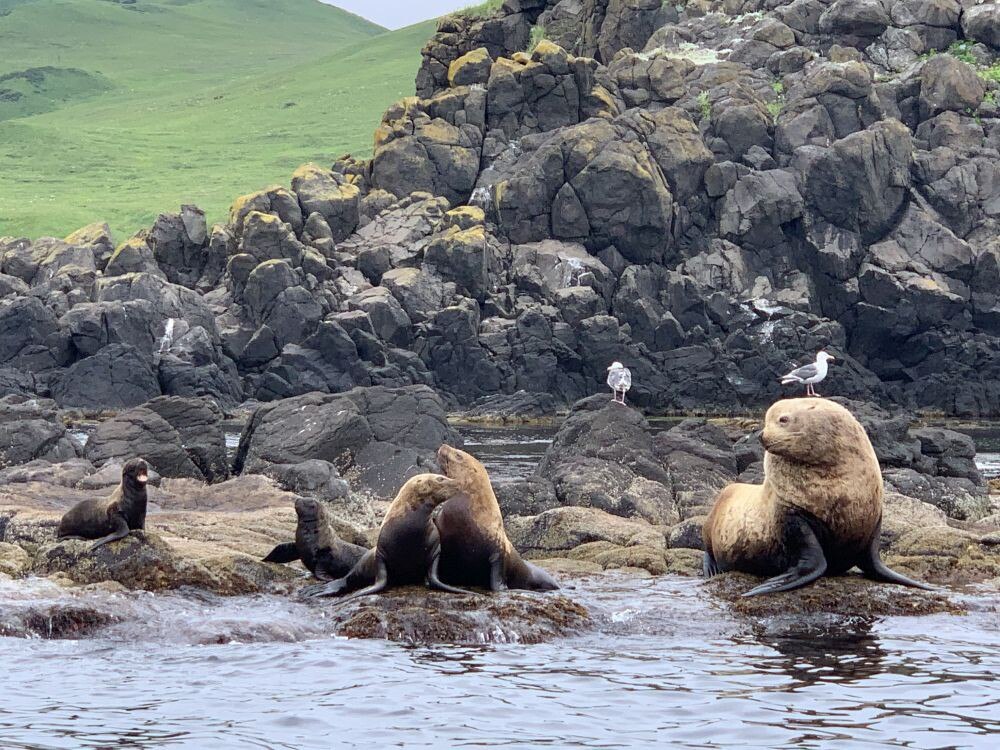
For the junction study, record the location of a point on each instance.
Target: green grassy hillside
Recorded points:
(116, 112)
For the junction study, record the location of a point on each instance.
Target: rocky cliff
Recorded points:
(708, 192)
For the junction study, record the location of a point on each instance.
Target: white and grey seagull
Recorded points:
(620, 380)
(809, 375)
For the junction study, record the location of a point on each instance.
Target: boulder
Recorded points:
(275, 200)
(948, 84)
(198, 422)
(118, 376)
(331, 196)
(982, 23)
(562, 529)
(603, 457)
(142, 432)
(861, 182)
(31, 430)
(376, 437)
(471, 68)
(144, 560)
(595, 183)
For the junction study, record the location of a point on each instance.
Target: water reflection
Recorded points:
(844, 652)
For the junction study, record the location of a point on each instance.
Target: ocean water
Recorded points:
(662, 666)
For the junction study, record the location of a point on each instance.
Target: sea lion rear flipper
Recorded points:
(120, 532)
(497, 580)
(434, 558)
(330, 588)
(368, 570)
(381, 582)
(873, 567)
(283, 553)
(709, 565)
(809, 566)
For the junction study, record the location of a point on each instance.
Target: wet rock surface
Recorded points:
(849, 596)
(414, 615)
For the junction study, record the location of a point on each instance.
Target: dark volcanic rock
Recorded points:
(603, 457)
(141, 432)
(377, 437)
(708, 192)
(31, 430)
(198, 422)
(117, 377)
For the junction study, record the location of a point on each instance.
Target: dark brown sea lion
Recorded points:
(401, 553)
(110, 519)
(475, 550)
(819, 510)
(324, 554)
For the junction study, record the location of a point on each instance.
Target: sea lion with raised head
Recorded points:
(474, 548)
(819, 510)
(316, 544)
(109, 519)
(401, 553)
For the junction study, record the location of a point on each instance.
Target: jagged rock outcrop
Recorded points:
(709, 193)
(376, 437)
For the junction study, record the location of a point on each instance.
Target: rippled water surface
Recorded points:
(662, 667)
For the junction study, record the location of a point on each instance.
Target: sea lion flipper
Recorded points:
(873, 567)
(283, 553)
(367, 572)
(497, 580)
(810, 565)
(330, 588)
(433, 560)
(709, 565)
(120, 532)
(381, 582)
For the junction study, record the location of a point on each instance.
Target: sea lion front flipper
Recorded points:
(434, 558)
(811, 563)
(120, 532)
(283, 553)
(497, 580)
(873, 567)
(709, 565)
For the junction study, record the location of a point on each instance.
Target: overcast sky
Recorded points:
(395, 14)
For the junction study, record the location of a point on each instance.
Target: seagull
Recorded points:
(620, 379)
(809, 375)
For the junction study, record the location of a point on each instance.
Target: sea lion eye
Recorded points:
(783, 420)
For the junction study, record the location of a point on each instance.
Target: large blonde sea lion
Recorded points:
(819, 510)
(475, 550)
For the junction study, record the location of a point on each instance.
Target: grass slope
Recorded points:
(180, 101)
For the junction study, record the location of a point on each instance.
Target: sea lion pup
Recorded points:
(324, 554)
(400, 556)
(475, 550)
(819, 510)
(110, 519)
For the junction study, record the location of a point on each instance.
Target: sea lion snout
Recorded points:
(307, 509)
(137, 470)
(435, 488)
